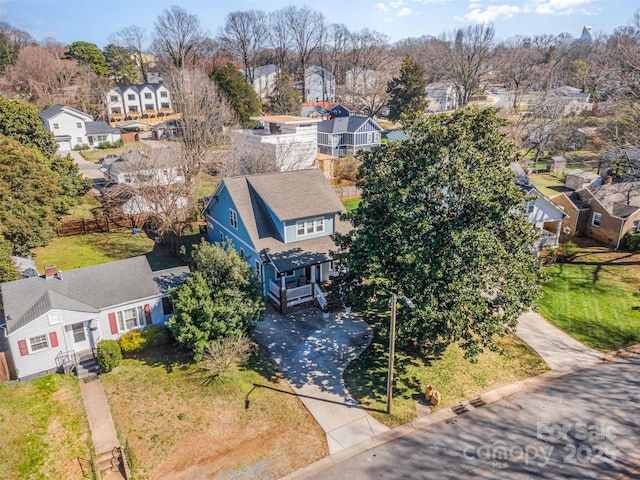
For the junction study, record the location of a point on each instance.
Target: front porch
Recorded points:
(287, 295)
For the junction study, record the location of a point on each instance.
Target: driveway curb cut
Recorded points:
(421, 423)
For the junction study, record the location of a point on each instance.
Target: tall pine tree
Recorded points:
(408, 91)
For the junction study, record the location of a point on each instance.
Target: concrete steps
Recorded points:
(87, 368)
(109, 466)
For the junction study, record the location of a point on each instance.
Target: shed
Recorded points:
(577, 179)
(556, 164)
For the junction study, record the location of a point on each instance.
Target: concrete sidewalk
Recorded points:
(561, 351)
(312, 353)
(103, 432)
(88, 169)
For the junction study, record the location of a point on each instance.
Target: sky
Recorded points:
(96, 20)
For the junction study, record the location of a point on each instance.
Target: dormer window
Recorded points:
(309, 227)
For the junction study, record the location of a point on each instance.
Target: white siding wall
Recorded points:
(43, 361)
(157, 317)
(68, 125)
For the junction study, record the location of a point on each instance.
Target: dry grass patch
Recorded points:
(43, 429)
(182, 425)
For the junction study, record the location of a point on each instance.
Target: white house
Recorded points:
(264, 80)
(71, 127)
(442, 96)
(155, 168)
(320, 84)
(133, 102)
(48, 321)
(288, 142)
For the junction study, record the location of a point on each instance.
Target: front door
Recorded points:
(78, 337)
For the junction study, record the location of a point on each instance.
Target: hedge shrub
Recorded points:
(108, 355)
(156, 336)
(633, 241)
(132, 342)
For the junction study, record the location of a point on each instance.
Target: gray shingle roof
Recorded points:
(620, 199)
(342, 124)
(57, 109)
(88, 289)
(94, 128)
(290, 195)
(137, 88)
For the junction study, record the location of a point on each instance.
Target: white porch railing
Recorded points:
(297, 293)
(274, 291)
(319, 296)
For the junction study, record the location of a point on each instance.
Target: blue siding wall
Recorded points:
(292, 236)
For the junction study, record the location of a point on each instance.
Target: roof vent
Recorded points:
(50, 271)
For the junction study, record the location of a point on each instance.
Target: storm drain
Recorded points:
(460, 409)
(477, 402)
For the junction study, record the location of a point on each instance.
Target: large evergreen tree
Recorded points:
(239, 93)
(119, 65)
(285, 98)
(19, 120)
(441, 222)
(408, 91)
(222, 298)
(89, 55)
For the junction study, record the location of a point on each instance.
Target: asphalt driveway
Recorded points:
(312, 353)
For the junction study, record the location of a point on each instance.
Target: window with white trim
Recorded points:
(595, 220)
(309, 227)
(131, 97)
(102, 138)
(56, 126)
(242, 254)
(233, 218)
(369, 137)
(130, 319)
(147, 96)
(530, 206)
(221, 237)
(635, 226)
(163, 95)
(39, 342)
(54, 318)
(114, 99)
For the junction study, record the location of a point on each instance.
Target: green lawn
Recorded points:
(595, 298)
(548, 184)
(351, 203)
(43, 429)
(454, 376)
(84, 250)
(177, 420)
(95, 155)
(84, 208)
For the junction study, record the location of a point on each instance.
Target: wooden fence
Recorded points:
(347, 192)
(4, 368)
(99, 224)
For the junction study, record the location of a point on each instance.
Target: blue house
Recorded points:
(345, 135)
(282, 224)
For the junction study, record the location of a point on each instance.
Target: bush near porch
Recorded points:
(595, 298)
(182, 424)
(44, 428)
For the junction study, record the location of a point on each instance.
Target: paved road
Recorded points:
(578, 426)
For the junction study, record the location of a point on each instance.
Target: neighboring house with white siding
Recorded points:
(133, 102)
(71, 128)
(47, 321)
(264, 80)
(320, 84)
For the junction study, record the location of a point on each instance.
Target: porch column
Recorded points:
(313, 275)
(558, 228)
(283, 295)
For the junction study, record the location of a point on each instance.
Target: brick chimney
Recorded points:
(50, 271)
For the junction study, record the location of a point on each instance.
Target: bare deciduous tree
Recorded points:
(279, 38)
(43, 75)
(468, 59)
(133, 38)
(305, 27)
(205, 115)
(178, 35)
(244, 36)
